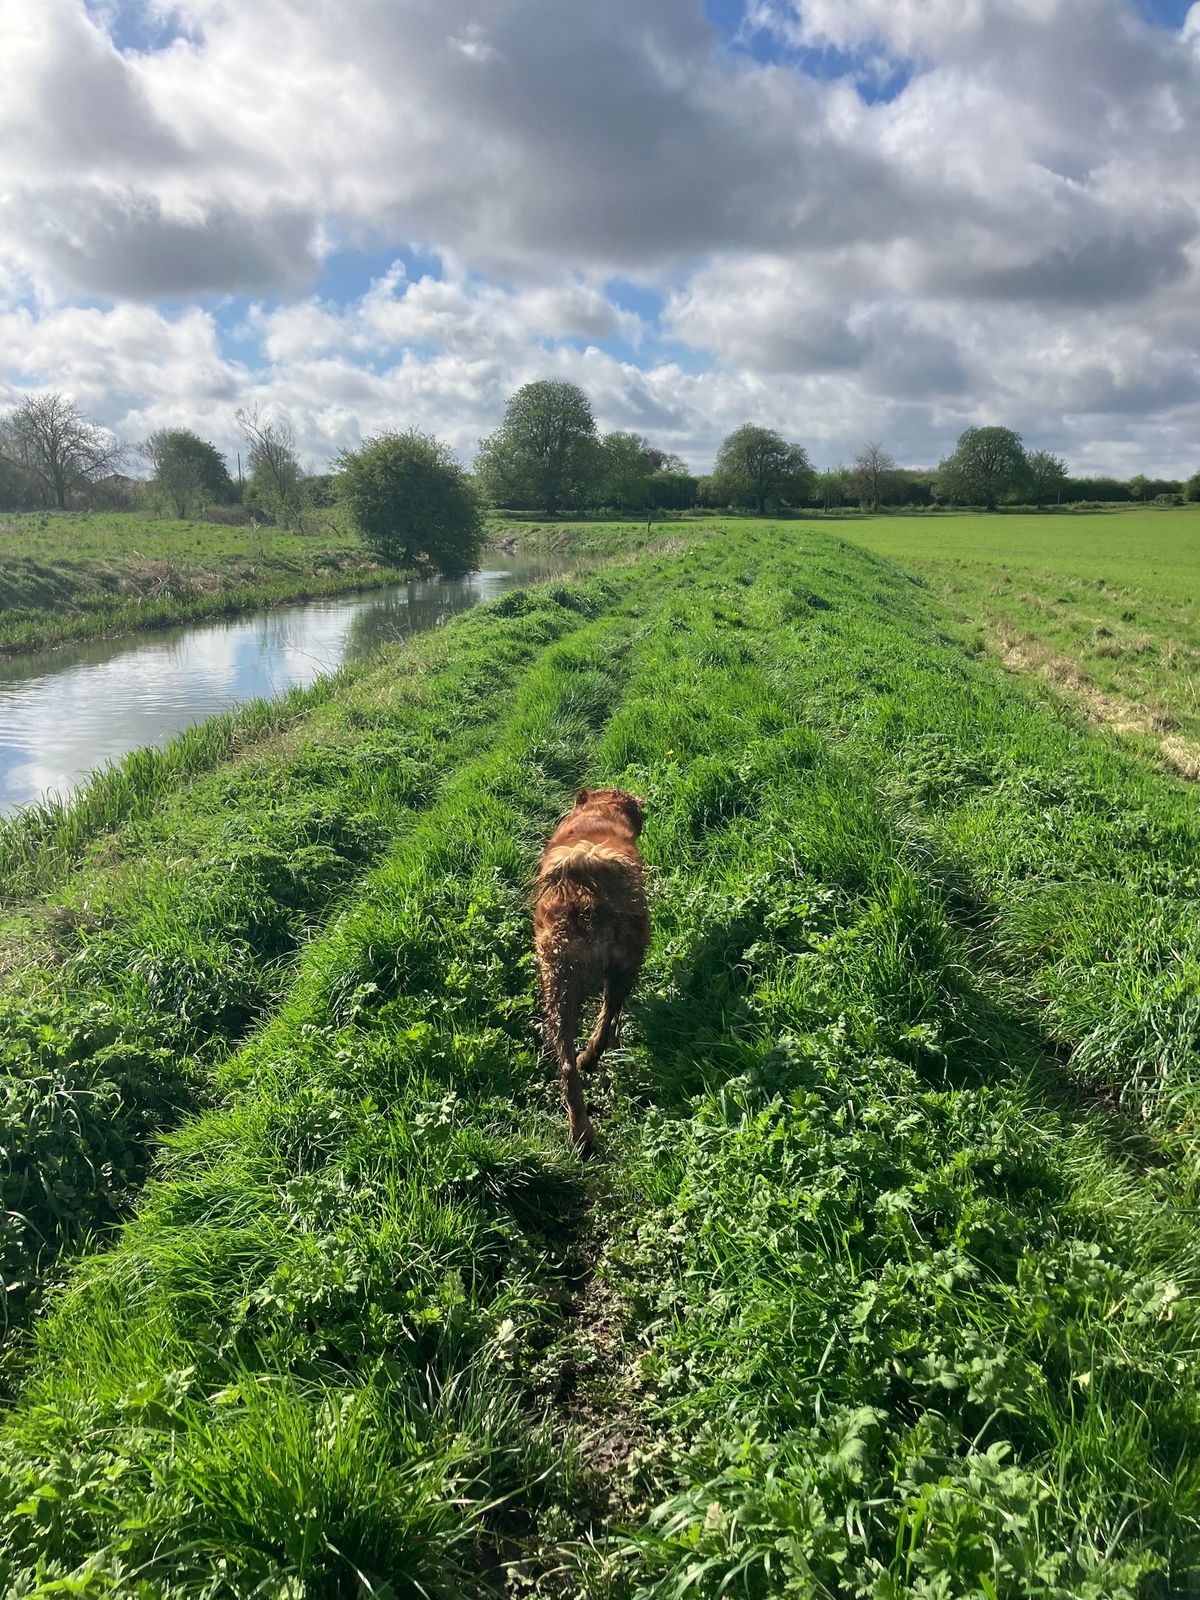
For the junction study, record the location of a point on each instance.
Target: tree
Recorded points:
(276, 477)
(672, 491)
(665, 461)
(20, 488)
(987, 463)
(188, 471)
(873, 474)
(409, 497)
(755, 465)
(832, 486)
(1139, 484)
(545, 450)
(1045, 474)
(625, 471)
(1191, 489)
(60, 446)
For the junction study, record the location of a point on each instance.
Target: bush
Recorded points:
(408, 497)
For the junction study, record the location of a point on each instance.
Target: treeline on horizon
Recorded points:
(547, 458)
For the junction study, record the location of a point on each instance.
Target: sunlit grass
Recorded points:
(887, 1281)
(1107, 603)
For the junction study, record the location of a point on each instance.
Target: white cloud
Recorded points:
(1011, 236)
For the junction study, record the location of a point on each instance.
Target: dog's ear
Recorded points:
(634, 807)
(581, 797)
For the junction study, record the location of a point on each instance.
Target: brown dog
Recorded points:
(590, 930)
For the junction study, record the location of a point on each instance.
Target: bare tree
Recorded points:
(61, 446)
(276, 477)
(872, 473)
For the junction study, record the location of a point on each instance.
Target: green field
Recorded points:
(887, 1282)
(1106, 606)
(86, 575)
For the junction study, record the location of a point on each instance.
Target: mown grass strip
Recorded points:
(897, 1313)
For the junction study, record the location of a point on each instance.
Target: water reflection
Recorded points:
(65, 712)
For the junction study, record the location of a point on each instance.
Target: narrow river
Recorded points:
(65, 712)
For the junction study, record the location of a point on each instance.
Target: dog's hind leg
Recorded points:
(562, 999)
(617, 986)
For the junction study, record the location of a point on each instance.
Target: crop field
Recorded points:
(1107, 606)
(85, 575)
(886, 1281)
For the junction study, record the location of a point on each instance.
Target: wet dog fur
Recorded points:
(591, 929)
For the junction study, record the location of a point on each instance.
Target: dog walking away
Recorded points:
(591, 929)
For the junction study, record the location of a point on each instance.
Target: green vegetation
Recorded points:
(756, 465)
(988, 465)
(545, 452)
(408, 497)
(1107, 606)
(82, 575)
(188, 473)
(888, 1282)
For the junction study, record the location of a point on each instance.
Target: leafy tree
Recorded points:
(987, 463)
(545, 450)
(1045, 475)
(1139, 485)
(188, 471)
(276, 483)
(673, 491)
(755, 465)
(1191, 489)
(59, 446)
(915, 486)
(409, 497)
(873, 475)
(625, 471)
(1106, 489)
(832, 486)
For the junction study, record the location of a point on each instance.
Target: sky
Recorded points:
(845, 219)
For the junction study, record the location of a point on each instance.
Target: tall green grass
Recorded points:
(887, 1282)
(167, 945)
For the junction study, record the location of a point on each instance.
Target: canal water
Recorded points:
(65, 712)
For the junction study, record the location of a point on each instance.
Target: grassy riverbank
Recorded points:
(887, 1282)
(86, 575)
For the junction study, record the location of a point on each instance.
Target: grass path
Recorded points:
(887, 1283)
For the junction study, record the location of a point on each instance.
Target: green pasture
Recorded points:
(1115, 594)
